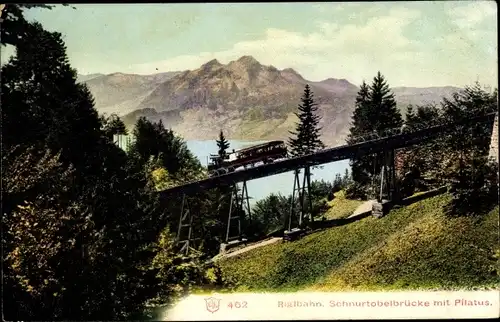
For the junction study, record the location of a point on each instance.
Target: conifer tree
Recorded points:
(307, 132)
(361, 124)
(223, 145)
(383, 105)
(346, 179)
(375, 113)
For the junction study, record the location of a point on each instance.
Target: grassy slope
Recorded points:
(412, 247)
(340, 207)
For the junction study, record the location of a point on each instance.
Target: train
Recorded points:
(248, 157)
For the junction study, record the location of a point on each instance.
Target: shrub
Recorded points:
(321, 189)
(474, 187)
(355, 191)
(269, 213)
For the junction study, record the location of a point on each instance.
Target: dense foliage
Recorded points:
(458, 159)
(85, 231)
(271, 213)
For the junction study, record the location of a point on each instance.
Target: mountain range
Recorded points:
(247, 100)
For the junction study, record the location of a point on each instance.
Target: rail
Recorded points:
(326, 156)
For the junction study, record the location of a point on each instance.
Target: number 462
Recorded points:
(237, 305)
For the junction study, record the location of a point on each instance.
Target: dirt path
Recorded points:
(249, 247)
(364, 207)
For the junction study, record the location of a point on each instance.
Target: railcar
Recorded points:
(248, 157)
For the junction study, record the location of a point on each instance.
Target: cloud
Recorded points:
(335, 7)
(332, 49)
(470, 15)
(469, 18)
(358, 51)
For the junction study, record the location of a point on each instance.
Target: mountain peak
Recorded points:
(248, 60)
(213, 63)
(292, 75)
(290, 70)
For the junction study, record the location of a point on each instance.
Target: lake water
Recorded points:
(280, 183)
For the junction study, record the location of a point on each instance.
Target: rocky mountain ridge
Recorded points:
(246, 99)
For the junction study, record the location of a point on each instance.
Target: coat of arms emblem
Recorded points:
(212, 304)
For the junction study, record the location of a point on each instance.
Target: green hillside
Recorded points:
(414, 247)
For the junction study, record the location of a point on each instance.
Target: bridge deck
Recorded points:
(325, 156)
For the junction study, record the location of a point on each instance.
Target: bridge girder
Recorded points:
(302, 195)
(239, 206)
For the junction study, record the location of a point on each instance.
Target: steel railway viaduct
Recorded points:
(385, 145)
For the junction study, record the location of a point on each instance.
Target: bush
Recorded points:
(269, 213)
(355, 191)
(320, 206)
(340, 183)
(176, 274)
(320, 189)
(474, 188)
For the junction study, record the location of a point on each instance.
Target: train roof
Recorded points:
(259, 146)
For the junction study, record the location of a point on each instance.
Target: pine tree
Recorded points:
(347, 178)
(375, 112)
(383, 104)
(223, 145)
(307, 132)
(361, 124)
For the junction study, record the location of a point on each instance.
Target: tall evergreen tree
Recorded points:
(361, 124)
(383, 105)
(375, 113)
(306, 138)
(361, 127)
(222, 145)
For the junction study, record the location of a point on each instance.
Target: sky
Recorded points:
(435, 43)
